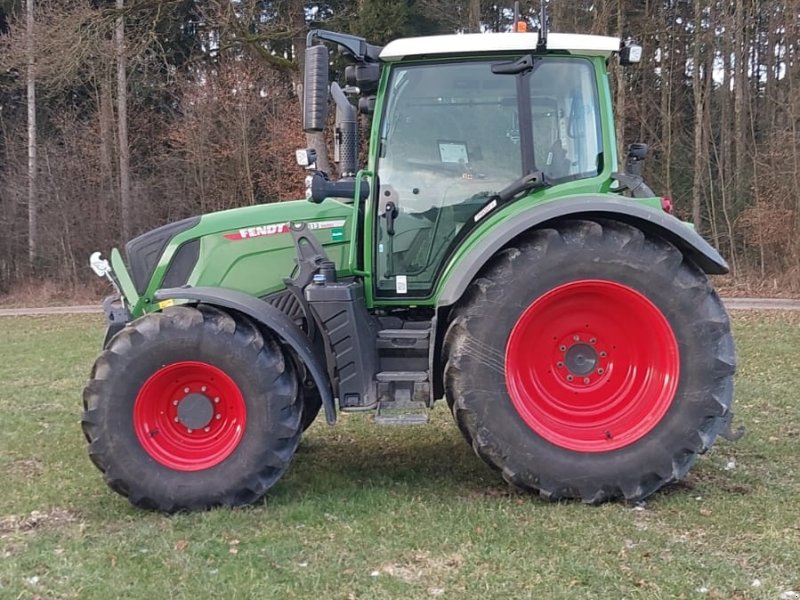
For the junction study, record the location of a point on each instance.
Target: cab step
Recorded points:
(401, 419)
(402, 398)
(392, 376)
(404, 339)
(403, 349)
(410, 413)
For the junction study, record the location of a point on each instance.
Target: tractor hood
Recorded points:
(246, 249)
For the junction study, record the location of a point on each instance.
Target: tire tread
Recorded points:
(211, 323)
(488, 290)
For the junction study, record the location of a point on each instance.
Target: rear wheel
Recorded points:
(192, 408)
(590, 361)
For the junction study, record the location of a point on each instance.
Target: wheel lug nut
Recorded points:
(562, 348)
(207, 429)
(593, 341)
(219, 417)
(576, 338)
(560, 365)
(203, 389)
(570, 378)
(188, 430)
(603, 354)
(600, 371)
(174, 403)
(186, 390)
(586, 380)
(216, 400)
(177, 420)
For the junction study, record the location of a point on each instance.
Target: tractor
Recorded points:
(489, 253)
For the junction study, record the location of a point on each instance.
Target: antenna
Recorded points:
(541, 44)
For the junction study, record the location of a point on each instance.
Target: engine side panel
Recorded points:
(249, 249)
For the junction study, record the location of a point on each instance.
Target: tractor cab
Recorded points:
(455, 132)
(459, 119)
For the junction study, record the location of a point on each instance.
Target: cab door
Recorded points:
(452, 135)
(449, 140)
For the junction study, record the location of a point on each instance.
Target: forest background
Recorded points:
(117, 116)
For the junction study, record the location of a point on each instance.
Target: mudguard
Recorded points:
(271, 318)
(649, 220)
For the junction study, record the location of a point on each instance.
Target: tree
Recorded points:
(145, 111)
(122, 123)
(33, 204)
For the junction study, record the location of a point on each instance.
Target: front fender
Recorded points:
(463, 269)
(271, 318)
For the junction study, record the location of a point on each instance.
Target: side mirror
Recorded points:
(365, 77)
(366, 106)
(636, 154)
(315, 89)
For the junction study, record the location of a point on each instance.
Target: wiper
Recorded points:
(521, 65)
(526, 183)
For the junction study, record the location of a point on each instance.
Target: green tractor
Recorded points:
(489, 253)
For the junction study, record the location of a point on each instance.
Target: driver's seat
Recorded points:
(557, 164)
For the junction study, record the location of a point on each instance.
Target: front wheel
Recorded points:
(590, 361)
(192, 408)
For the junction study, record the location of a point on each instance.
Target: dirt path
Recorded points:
(730, 303)
(761, 304)
(50, 310)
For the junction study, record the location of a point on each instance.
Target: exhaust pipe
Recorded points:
(346, 133)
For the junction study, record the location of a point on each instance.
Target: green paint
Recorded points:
(123, 278)
(258, 253)
(247, 249)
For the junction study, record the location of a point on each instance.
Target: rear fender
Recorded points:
(464, 269)
(649, 220)
(271, 318)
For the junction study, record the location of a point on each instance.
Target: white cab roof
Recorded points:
(469, 43)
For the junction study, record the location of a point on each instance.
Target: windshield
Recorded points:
(451, 138)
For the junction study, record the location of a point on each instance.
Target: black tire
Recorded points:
(554, 259)
(210, 341)
(312, 403)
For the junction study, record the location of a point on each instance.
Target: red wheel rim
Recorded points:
(189, 416)
(592, 366)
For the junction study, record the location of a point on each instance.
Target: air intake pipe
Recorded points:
(315, 89)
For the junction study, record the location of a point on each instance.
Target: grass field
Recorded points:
(368, 512)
